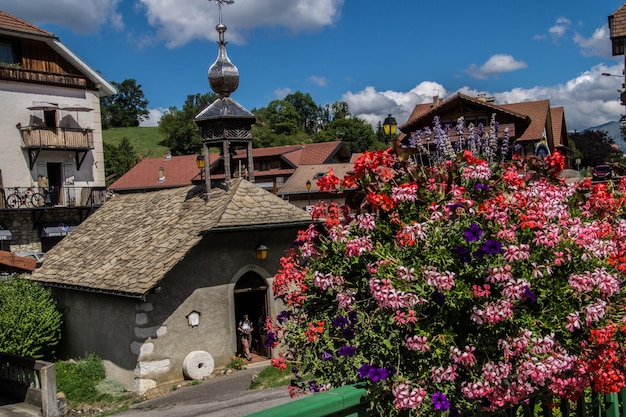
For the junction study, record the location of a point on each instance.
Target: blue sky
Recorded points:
(379, 56)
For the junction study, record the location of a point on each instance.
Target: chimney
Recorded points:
(482, 97)
(435, 101)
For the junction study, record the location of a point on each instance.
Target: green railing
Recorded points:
(351, 401)
(347, 401)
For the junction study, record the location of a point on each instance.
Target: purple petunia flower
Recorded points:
(340, 321)
(271, 338)
(347, 350)
(472, 233)
(440, 401)
(480, 186)
(454, 412)
(348, 333)
(491, 247)
(283, 316)
(529, 295)
(438, 297)
(378, 374)
(364, 370)
(352, 317)
(325, 356)
(463, 253)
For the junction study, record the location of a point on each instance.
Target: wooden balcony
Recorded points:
(61, 138)
(40, 77)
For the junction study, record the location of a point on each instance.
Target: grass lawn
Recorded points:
(145, 140)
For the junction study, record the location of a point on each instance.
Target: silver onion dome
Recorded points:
(223, 74)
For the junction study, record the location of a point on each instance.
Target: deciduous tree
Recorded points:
(127, 108)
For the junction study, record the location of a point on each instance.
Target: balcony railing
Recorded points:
(22, 74)
(40, 197)
(57, 138)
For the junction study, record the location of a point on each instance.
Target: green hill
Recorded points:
(145, 140)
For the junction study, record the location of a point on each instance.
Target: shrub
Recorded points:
(30, 324)
(78, 379)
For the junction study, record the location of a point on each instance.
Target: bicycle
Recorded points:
(29, 198)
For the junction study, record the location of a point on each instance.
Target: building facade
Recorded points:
(50, 135)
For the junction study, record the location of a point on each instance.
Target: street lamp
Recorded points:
(200, 164)
(389, 127)
(308, 190)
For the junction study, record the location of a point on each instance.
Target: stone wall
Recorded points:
(25, 226)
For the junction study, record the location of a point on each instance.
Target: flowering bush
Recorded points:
(461, 287)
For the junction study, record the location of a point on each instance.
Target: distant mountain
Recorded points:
(612, 129)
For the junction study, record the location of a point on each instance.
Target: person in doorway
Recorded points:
(245, 333)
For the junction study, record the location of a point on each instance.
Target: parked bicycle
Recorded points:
(29, 198)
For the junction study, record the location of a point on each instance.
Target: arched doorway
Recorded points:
(251, 298)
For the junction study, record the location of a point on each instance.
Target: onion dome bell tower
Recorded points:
(225, 123)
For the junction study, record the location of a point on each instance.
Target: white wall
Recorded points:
(15, 98)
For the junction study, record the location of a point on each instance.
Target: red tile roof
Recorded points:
(617, 22)
(9, 22)
(179, 171)
(538, 111)
(308, 154)
(558, 125)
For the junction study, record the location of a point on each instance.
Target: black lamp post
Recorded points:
(308, 190)
(389, 127)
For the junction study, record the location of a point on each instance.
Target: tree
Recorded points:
(596, 146)
(282, 117)
(30, 324)
(357, 134)
(182, 134)
(126, 108)
(310, 113)
(118, 159)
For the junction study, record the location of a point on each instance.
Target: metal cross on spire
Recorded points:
(219, 4)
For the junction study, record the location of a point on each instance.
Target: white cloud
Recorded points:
(561, 26)
(599, 44)
(282, 92)
(320, 81)
(153, 117)
(589, 99)
(495, 65)
(373, 106)
(81, 16)
(178, 25)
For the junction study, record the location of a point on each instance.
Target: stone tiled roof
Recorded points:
(9, 22)
(128, 245)
(178, 170)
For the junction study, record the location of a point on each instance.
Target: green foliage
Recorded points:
(83, 381)
(307, 109)
(30, 324)
(182, 135)
(126, 108)
(237, 363)
(596, 146)
(118, 160)
(356, 133)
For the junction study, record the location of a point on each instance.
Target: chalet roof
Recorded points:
(423, 114)
(179, 172)
(12, 23)
(296, 184)
(535, 116)
(537, 111)
(129, 244)
(15, 27)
